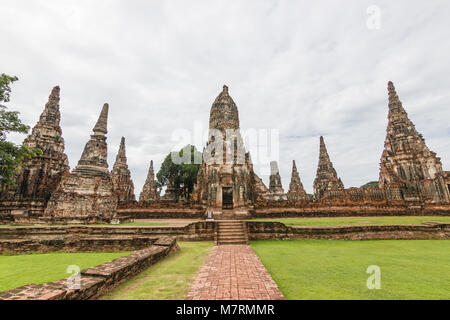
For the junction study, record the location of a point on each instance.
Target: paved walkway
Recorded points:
(234, 272)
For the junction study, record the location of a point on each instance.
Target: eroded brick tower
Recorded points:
(327, 179)
(121, 176)
(149, 190)
(88, 191)
(226, 180)
(296, 190)
(42, 174)
(409, 171)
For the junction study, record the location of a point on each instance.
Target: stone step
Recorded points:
(231, 229)
(230, 233)
(225, 242)
(231, 239)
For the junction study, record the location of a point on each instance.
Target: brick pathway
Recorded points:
(234, 272)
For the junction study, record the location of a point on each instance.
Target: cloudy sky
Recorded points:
(304, 68)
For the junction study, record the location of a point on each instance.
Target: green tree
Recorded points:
(183, 175)
(12, 156)
(372, 184)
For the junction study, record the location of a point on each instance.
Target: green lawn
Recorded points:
(346, 221)
(410, 269)
(169, 279)
(16, 271)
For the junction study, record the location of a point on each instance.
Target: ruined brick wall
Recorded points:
(277, 230)
(98, 280)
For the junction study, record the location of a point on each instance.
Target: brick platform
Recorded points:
(234, 272)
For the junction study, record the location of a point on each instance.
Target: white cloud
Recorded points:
(305, 68)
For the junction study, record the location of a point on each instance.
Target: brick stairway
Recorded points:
(231, 232)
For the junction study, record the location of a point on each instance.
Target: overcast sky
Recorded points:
(305, 68)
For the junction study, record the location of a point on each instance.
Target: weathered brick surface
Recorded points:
(93, 244)
(98, 280)
(149, 190)
(234, 272)
(88, 190)
(121, 176)
(277, 230)
(41, 176)
(409, 170)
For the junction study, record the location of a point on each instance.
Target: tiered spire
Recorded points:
(88, 191)
(224, 113)
(93, 161)
(326, 178)
(276, 191)
(42, 174)
(149, 191)
(406, 161)
(296, 191)
(121, 177)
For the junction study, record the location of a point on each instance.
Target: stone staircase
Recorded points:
(231, 232)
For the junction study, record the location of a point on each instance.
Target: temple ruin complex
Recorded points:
(411, 175)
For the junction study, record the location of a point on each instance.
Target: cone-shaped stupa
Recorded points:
(149, 191)
(93, 161)
(88, 191)
(296, 191)
(276, 191)
(42, 174)
(121, 176)
(408, 169)
(326, 178)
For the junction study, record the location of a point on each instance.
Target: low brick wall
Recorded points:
(161, 213)
(104, 237)
(75, 245)
(197, 231)
(99, 280)
(279, 231)
(315, 211)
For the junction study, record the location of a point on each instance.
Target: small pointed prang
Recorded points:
(225, 89)
(274, 168)
(102, 123)
(294, 166)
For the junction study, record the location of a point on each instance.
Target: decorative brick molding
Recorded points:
(277, 230)
(98, 280)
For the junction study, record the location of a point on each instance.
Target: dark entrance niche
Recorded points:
(448, 187)
(227, 198)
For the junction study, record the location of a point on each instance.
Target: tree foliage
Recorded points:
(183, 176)
(372, 184)
(12, 156)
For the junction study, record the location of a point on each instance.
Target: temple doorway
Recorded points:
(227, 198)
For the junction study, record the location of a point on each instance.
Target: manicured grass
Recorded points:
(169, 279)
(347, 221)
(16, 271)
(410, 269)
